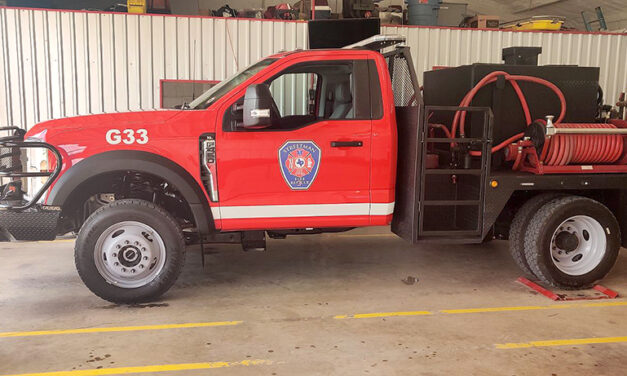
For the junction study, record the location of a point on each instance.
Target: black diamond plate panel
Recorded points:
(33, 224)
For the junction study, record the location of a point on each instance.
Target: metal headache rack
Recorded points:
(378, 42)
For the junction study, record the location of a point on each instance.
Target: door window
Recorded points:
(306, 93)
(295, 94)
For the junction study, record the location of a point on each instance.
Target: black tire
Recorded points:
(548, 219)
(519, 226)
(145, 213)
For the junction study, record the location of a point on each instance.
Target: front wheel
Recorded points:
(572, 242)
(129, 251)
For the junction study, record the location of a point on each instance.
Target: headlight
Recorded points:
(38, 160)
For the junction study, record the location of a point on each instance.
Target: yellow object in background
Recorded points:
(136, 6)
(536, 23)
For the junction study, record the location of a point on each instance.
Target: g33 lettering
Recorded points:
(127, 136)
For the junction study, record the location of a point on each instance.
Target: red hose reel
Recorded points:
(567, 149)
(590, 148)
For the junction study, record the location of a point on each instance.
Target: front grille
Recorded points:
(10, 160)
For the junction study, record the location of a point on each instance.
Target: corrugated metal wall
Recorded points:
(58, 64)
(452, 47)
(61, 63)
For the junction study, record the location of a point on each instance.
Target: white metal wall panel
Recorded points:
(56, 64)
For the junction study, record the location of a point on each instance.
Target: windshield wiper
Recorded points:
(184, 106)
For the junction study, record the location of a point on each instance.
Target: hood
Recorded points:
(143, 119)
(155, 132)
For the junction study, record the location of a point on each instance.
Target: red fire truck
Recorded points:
(314, 141)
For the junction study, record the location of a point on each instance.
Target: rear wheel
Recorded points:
(572, 242)
(519, 226)
(129, 251)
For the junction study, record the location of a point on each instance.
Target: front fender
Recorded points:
(75, 179)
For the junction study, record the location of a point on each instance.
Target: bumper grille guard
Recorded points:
(11, 166)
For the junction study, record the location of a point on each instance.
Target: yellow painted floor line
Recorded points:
(561, 342)
(383, 314)
(119, 329)
(533, 308)
(347, 316)
(603, 304)
(504, 309)
(56, 241)
(482, 310)
(144, 369)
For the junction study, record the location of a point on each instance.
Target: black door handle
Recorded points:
(346, 144)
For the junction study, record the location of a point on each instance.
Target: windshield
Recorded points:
(210, 96)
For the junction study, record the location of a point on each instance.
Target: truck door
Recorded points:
(311, 167)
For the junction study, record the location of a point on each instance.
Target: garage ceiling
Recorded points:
(615, 11)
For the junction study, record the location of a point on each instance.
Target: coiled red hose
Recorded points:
(460, 116)
(565, 149)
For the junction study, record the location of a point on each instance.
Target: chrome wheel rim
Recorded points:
(578, 245)
(129, 254)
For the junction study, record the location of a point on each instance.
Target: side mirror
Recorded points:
(259, 108)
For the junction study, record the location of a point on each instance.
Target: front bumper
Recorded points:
(37, 223)
(23, 218)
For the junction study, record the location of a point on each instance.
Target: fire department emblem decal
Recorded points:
(299, 162)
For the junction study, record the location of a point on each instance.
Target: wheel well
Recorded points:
(104, 188)
(90, 175)
(614, 199)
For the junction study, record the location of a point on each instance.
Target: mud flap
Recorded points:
(254, 240)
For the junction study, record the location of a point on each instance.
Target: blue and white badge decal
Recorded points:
(299, 162)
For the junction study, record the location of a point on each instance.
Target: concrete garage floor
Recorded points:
(297, 310)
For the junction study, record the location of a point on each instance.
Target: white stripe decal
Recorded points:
(381, 209)
(284, 211)
(291, 211)
(215, 212)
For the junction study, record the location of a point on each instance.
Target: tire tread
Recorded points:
(533, 239)
(519, 227)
